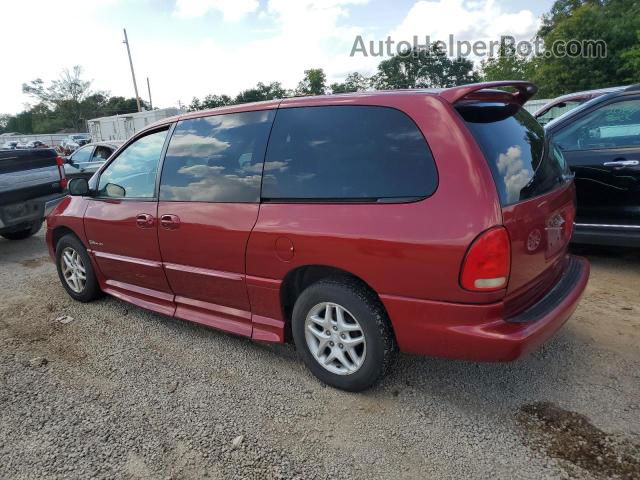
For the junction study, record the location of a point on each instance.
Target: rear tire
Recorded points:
(343, 334)
(75, 270)
(22, 234)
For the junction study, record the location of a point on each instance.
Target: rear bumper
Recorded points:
(480, 332)
(18, 215)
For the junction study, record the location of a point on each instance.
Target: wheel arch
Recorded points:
(301, 277)
(61, 231)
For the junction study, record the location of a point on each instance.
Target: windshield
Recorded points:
(523, 162)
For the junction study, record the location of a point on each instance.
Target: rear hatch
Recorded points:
(535, 191)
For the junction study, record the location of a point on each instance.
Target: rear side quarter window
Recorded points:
(347, 153)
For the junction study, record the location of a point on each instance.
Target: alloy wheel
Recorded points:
(335, 338)
(73, 269)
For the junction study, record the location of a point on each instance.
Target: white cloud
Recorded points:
(516, 175)
(232, 10)
(474, 20)
(280, 40)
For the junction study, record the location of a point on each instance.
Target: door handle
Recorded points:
(145, 220)
(170, 222)
(622, 163)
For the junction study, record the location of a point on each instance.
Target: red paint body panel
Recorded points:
(267, 318)
(124, 251)
(413, 250)
(475, 332)
(538, 246)
(204, 261)
(223, 265)
(69, 213)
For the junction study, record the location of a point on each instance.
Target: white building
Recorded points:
(121, 127)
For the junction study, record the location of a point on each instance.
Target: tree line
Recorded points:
(64, 104)
(67, 102)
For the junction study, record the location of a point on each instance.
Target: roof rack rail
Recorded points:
(525, 90)
(632, 88)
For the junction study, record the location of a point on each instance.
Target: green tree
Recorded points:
(261, 92)
(508, 65)
(121, 105)
(64, 95)
(4, 121)
(424, 69)
(210, 101)
(617, 22)
(313, 83)
(355, 82)
(21, 123)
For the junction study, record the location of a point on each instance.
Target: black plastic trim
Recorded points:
(554, 297)
(606, 236)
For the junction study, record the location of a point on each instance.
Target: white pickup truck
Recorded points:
(32, 182)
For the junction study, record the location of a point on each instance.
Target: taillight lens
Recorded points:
(487, 263)
(60, 164)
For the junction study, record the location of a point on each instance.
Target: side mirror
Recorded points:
(114, 190)
(78, 187)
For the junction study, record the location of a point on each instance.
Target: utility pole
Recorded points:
(135, 85)
(149, 89)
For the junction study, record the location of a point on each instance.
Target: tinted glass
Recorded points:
(557, 110)
(133, 172)
(82, 155)
(513, 144)
(613, 126)
(217, 158)
(347, 152)
(101, 153)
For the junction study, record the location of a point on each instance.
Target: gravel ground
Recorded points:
(118, 392)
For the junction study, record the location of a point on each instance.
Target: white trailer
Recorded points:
(121, 127)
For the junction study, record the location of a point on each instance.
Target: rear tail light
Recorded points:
(60, 164)
(487, 263)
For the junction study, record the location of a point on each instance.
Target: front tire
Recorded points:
(75, 270)
(343, 334)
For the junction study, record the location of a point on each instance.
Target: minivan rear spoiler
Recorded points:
(524, 90)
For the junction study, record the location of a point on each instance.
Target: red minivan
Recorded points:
(434, 222)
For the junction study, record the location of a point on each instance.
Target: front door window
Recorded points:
(133, 173)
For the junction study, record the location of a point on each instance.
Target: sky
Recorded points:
(193, 48)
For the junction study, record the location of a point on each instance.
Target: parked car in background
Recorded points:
(600, 140)
(11, 145)
(66, 147)
(86, 160)
(32, 182)
(80, 138)
(561, 105)
(72, 143)
(36, 144)
(438, 226)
